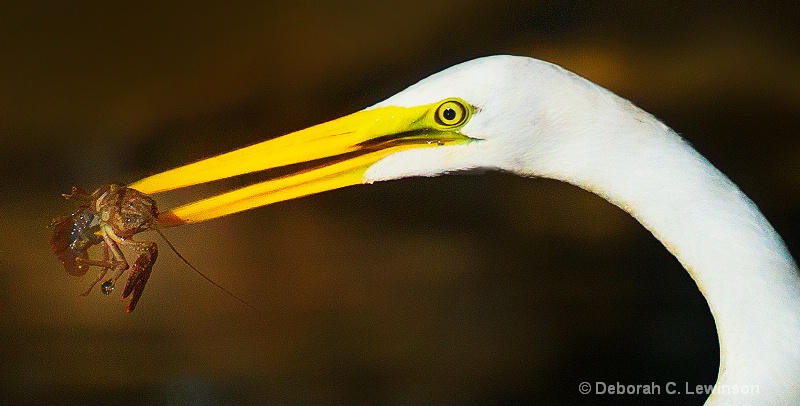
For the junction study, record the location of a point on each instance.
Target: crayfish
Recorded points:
(110, 217)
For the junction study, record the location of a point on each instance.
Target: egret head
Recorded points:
(503, 113)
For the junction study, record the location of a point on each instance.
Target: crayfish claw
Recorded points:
(139, 274)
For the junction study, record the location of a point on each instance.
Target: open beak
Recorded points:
(346, 148)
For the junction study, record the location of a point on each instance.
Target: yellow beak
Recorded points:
(348, 146)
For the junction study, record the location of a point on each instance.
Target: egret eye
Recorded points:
(451, 113)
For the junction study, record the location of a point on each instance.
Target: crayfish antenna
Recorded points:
(185, 261)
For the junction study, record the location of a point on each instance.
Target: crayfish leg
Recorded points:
(103, 269)
(81, 195)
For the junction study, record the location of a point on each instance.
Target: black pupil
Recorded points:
(449, 114)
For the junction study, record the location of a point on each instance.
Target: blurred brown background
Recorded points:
(487, 289)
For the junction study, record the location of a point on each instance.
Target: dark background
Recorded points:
(487, 289)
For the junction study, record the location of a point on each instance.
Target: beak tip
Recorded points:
(169, 219)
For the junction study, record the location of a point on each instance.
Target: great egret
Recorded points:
(534, 118)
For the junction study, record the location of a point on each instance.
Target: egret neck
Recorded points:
(734, 255)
